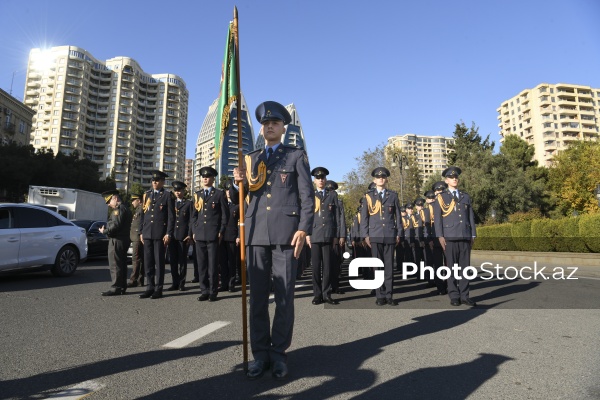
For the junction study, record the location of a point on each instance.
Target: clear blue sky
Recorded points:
(358, 72)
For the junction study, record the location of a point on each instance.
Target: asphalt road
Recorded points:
(527, 339)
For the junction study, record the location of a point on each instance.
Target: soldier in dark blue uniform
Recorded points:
(339, 244)
(182, 237)
(117, 231)
(157, 223)
(455, 229)
(325, 229)
(211, 213)
(230, 260)
(279, 216)
(400, 246)
(409, 234)
(437, 252)
(424, 224)
(381, 226)
(137, 249)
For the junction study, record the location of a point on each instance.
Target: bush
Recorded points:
(503, 239)
(589, 230)
(521, 216)
(483, 241)
(544, 233)
(521, 234)
(569, 239)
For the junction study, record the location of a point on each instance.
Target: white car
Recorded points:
(32, 237)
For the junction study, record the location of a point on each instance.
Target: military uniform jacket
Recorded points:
(183, 219)
(119, 224)
(158, 217)
(232, 228)
(341, 217)
(454, 220)
(211, 214)
(381, 219)
(134, 232)
(355, 228)
(280, 198)
(325, 226)
(408, 231)
(429, 208)
(420, 222)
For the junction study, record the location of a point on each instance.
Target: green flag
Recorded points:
(228, 91)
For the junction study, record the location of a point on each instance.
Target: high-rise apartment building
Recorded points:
(430, 152)
(293, 136)
(551, 116)
(188, 174)
(15, 120)
(111, 112)
(205, 146)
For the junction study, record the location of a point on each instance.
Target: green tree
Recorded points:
(574, 176)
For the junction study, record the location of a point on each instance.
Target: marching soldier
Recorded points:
(137, 249)
(409, 235)
(182, 237)
(279, 216)
(209, 221)
(381, 227)
(325, 229)
(400, 247)
(455, 229)
(339, 245)
(423, 223)
(117, 230)
(157, 223)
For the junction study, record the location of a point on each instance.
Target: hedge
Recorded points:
(579, 235)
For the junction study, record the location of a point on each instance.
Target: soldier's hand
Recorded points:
(342, 242)
(368, 241)
(443, 243)
(166, 239)
(308, 242)
(298, 242)
(239, 175)
(141, 238)
(397, 240)
(237, 241)
(431, 245)
(220, 236)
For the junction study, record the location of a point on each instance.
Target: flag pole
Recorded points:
(242, 196)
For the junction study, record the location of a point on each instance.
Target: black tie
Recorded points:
(269, 152)
(206, 193)
(381, 195)
(456, 195)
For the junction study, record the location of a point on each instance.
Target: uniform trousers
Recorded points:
(458, 252)
(207, 252)
(263, 262)
(229, 263)
(385, 252)
(178, 250)
(438, 261)
(336, 265)
(137, 262)
(154, 262)
(117, 260)
(321, 268)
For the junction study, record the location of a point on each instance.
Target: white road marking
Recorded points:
(197, 334)
(78, 391)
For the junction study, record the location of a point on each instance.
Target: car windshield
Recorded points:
(83, 224)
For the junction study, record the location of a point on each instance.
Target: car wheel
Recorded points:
(66, 262)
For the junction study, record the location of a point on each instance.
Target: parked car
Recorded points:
(32, 237)
(97, 242)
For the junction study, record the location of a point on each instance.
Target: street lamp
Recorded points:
(401, 161)
(597, 191)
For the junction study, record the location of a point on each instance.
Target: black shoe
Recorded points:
(195, 280)
(329, 300)
(114, 292)
(381, 302)
(203, 297)
(390, 302)
(442, 292)
(317, 300)
(231, 289)
(223, 289)
(256, 369)
(156, 295)
(429, 285)
(455, 302)
(182, 287)
(212, 298)
(171, 288)
(146, 294)
(468, 302)
(339, 291)
(142, 283)
(132, 284)
(373, 292)
(280, 370)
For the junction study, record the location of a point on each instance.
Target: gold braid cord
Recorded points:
(414, 221)
(198, 202)
(422, 214)
(446, 208)
(405, 223)
(255, 182)
(373, 209)
(358, 218)
(146, 202)
(317, 204)
(430, 213)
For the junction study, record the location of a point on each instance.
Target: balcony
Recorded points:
(35, 83)
(31, 101)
